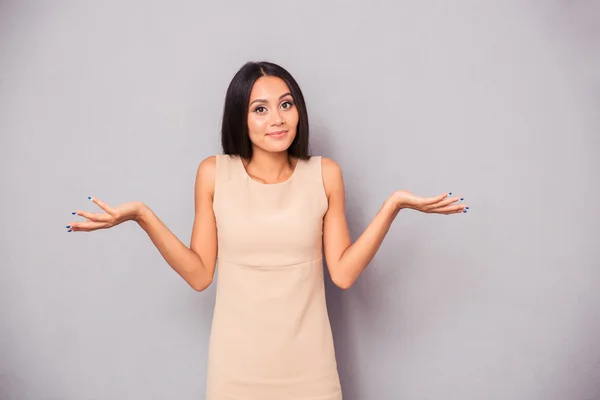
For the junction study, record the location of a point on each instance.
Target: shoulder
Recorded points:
(331, 169)
(332, 176)
(208, 166)
(329, 165)
(205, 176)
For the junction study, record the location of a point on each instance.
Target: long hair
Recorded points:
(234, 127)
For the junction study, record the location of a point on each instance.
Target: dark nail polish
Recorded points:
(69, 230)
(464, 211)
(89, 198)
(68, 226)
(462, 198)
(73, 213)
(466, 208)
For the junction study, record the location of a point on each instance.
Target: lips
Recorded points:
(277, 134)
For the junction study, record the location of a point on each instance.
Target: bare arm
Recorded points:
(196, 265)
(346, 260)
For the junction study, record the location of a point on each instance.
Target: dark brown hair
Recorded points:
(234, 127)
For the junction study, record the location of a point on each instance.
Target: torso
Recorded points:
(271, 334)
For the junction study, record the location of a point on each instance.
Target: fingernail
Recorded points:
(69, 230)
(466, 208)
(464, 211)
(73, 213)
(449, 194)
(68, 226)
(462, 198)
(89, 198)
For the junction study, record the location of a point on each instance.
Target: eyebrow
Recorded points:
(264, 101)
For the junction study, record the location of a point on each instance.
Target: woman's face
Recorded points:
(272, 115)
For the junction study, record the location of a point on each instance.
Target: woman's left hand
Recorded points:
(442, 204)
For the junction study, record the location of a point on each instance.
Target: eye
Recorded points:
(261, 109)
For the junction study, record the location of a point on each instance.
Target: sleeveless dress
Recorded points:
(270, 338)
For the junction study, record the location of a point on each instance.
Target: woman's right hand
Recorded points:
(129, 211)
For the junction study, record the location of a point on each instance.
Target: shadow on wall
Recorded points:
(339, 302)
(337, 299)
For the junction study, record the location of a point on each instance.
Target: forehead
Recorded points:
(267, 87)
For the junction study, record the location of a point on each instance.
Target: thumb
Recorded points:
(108, 209)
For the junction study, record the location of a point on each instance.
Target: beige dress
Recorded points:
(271, 336)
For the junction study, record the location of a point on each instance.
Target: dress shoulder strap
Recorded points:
(311, 169)
(310, 176)
(226, 168)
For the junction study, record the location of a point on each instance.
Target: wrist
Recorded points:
(393, 204)
(141, 213)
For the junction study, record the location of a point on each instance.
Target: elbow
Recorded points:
(200, 280)
(200, 277)
(343, 282)
(200, 285)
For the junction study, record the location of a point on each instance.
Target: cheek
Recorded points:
(295, 116)
(255, 124)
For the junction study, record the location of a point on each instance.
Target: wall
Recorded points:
(497, 101)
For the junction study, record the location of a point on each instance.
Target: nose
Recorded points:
(277, 118)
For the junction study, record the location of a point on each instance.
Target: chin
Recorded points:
(273, 146)
(278, 148)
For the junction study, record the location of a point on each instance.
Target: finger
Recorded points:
(94, 217)
(450, 200)
(436, 199)
(442, 203)
(450, 209)
(103, 205)
(86, 226)
(446, 200)
(444, 196)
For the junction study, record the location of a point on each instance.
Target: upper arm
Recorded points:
(204, 231)
(336, 235)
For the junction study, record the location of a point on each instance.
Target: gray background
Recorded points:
(494, 100)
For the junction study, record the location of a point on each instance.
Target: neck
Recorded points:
(269, 167)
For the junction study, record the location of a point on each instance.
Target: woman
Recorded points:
(268, 211)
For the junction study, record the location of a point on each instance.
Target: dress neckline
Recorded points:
(289, 179)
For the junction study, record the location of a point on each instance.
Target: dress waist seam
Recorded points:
(270, 266)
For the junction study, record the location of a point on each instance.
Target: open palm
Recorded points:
(111, 216)
(442, 204)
